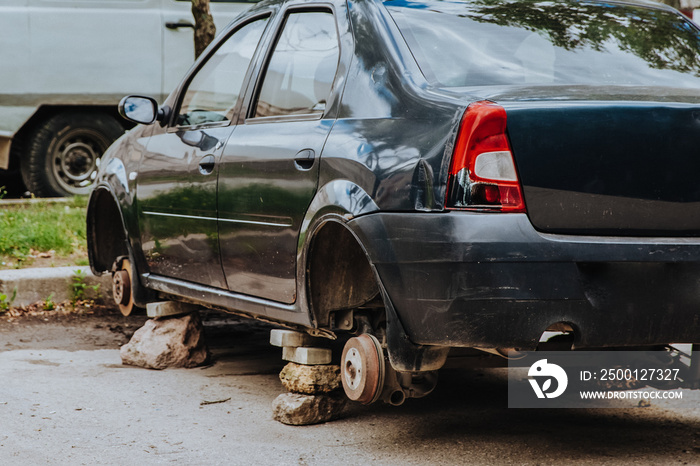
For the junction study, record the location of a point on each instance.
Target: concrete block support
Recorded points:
(169, 308)
(282, 338)
(307, 356)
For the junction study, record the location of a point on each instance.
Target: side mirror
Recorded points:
(139, 109)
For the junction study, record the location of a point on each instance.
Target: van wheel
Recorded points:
(64, 153)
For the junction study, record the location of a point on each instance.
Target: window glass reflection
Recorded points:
(486, 43)
(300, 74)
(214, 91)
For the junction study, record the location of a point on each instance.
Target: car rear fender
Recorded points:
(340, 197)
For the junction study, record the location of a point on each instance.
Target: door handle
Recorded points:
(179, 24)
(304, 159)
(206, 165)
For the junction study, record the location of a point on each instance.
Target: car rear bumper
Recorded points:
(491, 280)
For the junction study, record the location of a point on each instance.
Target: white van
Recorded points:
(64, 66)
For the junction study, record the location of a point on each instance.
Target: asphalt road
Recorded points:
(65, 398)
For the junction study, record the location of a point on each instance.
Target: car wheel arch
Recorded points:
(331, 257)
(106, 233)
(106, 222)
(337, 261)
(338, 274)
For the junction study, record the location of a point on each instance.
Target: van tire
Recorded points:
(64, 153)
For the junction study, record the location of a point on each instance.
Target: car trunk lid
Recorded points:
(608, 167)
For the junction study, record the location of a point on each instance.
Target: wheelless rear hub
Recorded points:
(363, 369)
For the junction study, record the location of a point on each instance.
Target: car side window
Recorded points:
(300, 73)
(213, 92)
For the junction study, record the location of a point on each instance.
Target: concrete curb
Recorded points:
(37, 284)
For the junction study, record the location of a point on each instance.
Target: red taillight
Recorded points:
(482, 173)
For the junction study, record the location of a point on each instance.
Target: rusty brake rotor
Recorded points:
(121, 288)
(363, 369)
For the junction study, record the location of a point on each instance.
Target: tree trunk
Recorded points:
(674, 3)
(204, 29)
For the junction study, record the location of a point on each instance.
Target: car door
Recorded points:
(176, 185)
(269, 168)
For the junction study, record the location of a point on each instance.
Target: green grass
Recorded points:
(31, 228)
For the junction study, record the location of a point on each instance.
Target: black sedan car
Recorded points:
(423, 175)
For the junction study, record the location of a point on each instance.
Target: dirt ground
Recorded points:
(65, 398)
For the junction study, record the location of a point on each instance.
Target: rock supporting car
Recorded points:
(422, 175)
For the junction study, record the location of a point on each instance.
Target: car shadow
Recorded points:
(469, 410)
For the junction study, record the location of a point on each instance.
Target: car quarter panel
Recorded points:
(393, 136)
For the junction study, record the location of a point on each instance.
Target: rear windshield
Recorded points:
(490, 42)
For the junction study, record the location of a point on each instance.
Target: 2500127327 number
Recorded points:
(639, 374)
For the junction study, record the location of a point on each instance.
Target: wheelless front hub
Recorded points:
(363, 369)
(121, 288)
